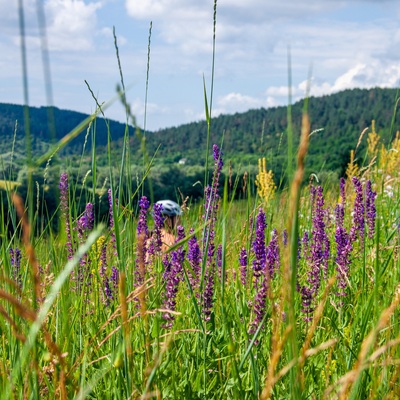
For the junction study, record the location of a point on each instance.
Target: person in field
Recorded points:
(171, 211)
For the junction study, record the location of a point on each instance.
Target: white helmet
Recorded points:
(169, 208)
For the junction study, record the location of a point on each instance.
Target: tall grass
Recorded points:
(294, 295)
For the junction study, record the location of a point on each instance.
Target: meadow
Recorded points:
(291, 293)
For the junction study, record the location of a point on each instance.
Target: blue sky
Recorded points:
(348, 43)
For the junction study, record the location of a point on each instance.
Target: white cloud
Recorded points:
(71, 24)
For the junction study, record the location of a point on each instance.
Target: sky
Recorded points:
(333, 45)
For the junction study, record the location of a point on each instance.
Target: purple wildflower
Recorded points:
(343, 250)
(307, 296)
(208, 292)
(16, 257)
(358, 227)
(142, 232)
(316, 251)
(285, 237)
(259, 306)
(272, 255)
(64, 205)
(259, 247)
(304, 246)
(85, 223)
(194, 257)
(219, 260)
(210, 215)
(243, 266)
(107, 292)
(320, 245)
(370, 208)
(111, 222)
(156, 241)
(114, 278)
(173, 277)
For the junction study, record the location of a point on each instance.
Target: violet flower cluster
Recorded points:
(16, 257)
(85, 223)
(142, 232)
(210, 216)
(358, 227)
(64, 205)
(243, 262)
(194, 256)
(259, 248)
(317, 252)
(155, 244)
(370, 208)
(269, 260)
(173, 275)
(343, 244)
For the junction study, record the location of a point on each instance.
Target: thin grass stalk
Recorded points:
(208, 110)
(46, 306)
(290, 269)
(348, 383)
(41, 16)
(147, 80)
(289, 120)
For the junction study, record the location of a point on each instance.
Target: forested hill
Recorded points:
(41, 126)
(342, 116)
(339, 119)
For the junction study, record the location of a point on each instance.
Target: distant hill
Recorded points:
(245, 136)
(342, 116)
(41, 128)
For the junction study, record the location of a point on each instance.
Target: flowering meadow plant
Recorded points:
(120, 314)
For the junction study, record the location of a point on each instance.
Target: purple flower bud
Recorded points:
(259, 247)
(173, 277)
(243, 266)
(16, 265)
(194, 257)
(358, 227)
(370, 208)
(64, 206)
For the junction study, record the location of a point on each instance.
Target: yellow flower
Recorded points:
(265, 181)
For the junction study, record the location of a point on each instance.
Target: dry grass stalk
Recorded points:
(124, 312)
(361, 137)
(278, 343)
(314, 323)
(346, 381)
(309, 353)
(30, 251)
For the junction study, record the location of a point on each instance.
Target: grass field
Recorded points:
(290, 294)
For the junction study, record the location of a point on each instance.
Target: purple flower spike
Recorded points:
(85, 223)
(259, 247)
(144, 205)
(272, 255)
(64, 205)
(285, 237)
(156, 240)
(142, 232)
(358, 227)
(16, 265)
(210, 215)
(344, 248)
(259, 307)
(243, 266)
(173, 276)
(194, 257)
(316, 250)
(370, 208)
